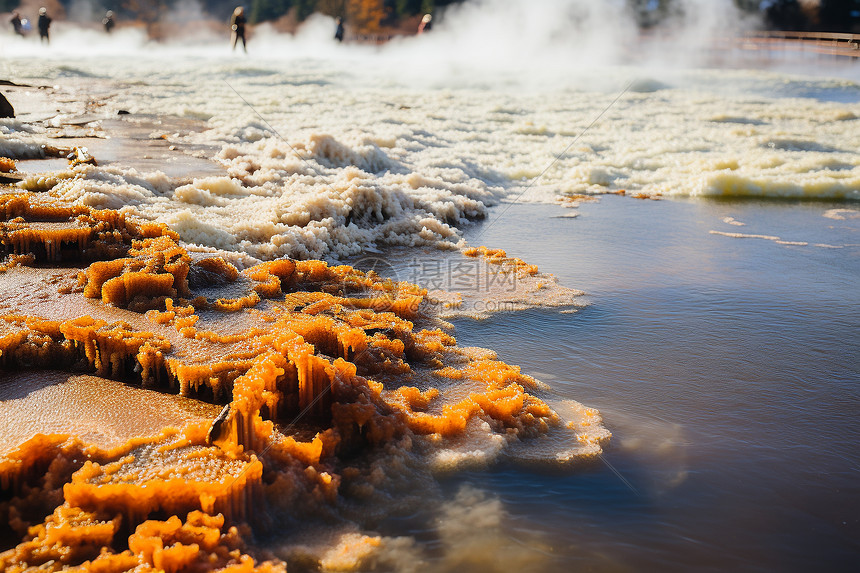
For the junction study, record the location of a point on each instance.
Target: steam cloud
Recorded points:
(511, 42)
(499, 34)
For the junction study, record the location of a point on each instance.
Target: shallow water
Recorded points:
(726, 369)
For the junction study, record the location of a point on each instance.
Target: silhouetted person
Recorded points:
(17, 25)
(426, 24)
(338, 33)
(237, 25)
(44, 25)
(108, 22)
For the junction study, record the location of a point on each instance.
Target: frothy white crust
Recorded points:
(327, 159)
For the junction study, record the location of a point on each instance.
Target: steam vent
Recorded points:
(312, 364)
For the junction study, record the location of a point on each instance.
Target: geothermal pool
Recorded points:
(718, 341)
(726, 369)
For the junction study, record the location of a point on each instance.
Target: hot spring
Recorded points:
(259, 331)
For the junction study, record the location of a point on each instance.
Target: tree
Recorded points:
(836, 15)
(365, 15)
(147, 10)
(263, 10)
(407, 7)
(785, 15)
(305, 8)
(220, 9)
(752, 6)
(650, 13)
(333, 8)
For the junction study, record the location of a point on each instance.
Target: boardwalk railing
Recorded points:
(822, 43)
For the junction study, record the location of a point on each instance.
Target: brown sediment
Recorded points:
(329, 344)
(500, 257)
(72, 537)
(653, 196)
(495, 282)
(16, 260)
(58, 233)
(95, 408)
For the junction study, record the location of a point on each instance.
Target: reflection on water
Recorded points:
(726, 369)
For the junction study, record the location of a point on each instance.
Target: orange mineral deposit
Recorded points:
(351, 355)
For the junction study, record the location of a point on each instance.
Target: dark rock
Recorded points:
(123, 112)
(6, 109)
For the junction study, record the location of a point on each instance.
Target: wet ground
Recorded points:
(137, 141)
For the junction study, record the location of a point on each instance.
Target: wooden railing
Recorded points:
(822, 43)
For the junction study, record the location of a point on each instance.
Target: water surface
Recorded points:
(725, 367)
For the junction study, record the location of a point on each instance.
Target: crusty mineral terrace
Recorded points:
(352, 356)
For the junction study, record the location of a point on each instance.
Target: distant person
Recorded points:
(44, 25)
(108, 22)
(338, 33)
(237, 27)
(17, 24)
(426, 24)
